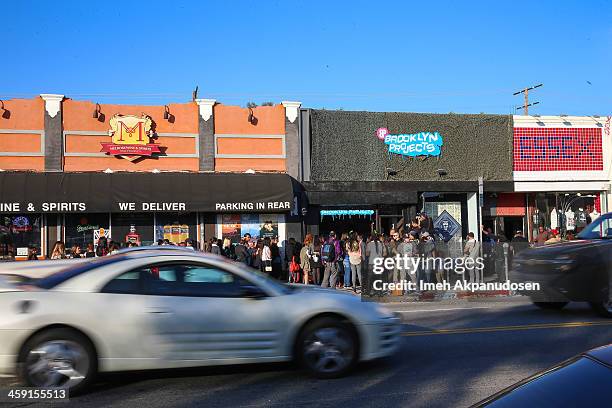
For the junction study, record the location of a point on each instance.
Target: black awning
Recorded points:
(138, 192)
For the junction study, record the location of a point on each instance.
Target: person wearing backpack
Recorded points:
(328, 257)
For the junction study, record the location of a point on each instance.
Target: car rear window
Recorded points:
(583, 383)
(51, 281)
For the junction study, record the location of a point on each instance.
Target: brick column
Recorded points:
(54, 141)
(206, 130)
(292, 140)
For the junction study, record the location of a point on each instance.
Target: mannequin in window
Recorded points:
(570, 220)
(554, 219)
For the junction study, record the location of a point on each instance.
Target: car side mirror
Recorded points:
(252, 292)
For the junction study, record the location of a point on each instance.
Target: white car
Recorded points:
(155, 309)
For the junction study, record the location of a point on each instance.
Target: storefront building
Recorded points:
(76, 170)
(367, 171)
(562, 169)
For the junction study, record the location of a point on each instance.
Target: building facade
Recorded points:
(375, 171)
(75, 170)
(562, 170)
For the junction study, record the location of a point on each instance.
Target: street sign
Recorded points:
(446, 226)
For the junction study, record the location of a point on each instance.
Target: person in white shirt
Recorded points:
(266, 256)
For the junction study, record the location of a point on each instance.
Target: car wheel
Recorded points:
(328, 348)
(60, 358)
(551, 305)
(603, 308)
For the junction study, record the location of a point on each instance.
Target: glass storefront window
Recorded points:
(19, 233)
(140, 223)
(176, 227)
(80, 229)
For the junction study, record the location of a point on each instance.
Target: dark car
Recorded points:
(581, 381)
(572, 271)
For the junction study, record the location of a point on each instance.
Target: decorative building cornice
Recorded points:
(291, 109)
(52, 103)
(206, 107)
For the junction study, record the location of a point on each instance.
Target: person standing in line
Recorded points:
(241, 252)
(59, 250)
(542, 236)
(346, 265)
(374, 250)
(207, 245)
(291, 250)
(33, 254)
(215, 248)
(471, 251)
(305, 256)
(277, 263)
(266, 256)
(227, 249)
(315, 260)
(355, 260)
(330, 264)
(90, 251)
(427, 249)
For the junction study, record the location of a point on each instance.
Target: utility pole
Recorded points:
(526, 103)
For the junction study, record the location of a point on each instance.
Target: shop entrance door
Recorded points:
(388, 222)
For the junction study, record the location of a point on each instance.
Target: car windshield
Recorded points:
(601, 228)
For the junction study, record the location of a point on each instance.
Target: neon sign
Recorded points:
(412, 145)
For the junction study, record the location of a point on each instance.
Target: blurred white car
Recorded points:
(155, 309)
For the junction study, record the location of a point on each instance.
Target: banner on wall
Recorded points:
(258, 226)
(230, 227)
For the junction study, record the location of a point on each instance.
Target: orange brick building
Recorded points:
(72, 170)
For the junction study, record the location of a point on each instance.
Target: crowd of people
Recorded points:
(342, 261)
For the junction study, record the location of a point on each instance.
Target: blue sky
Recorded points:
(357, 55)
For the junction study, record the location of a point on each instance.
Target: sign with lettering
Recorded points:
(412, 145)
(558, 149)
(130, 137)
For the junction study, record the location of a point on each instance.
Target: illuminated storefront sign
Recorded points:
(130, 137)
(557, 149)
(412, 145)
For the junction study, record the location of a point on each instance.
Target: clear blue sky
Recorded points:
(357, 55)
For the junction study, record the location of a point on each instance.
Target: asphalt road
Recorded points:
(452, 355)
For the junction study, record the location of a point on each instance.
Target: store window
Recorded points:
(84, 229)
(566, 213)
(234, 226)
(176, 227)
(137, 228)
(19, 234)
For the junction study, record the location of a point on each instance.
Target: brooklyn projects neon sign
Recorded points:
(412, 145)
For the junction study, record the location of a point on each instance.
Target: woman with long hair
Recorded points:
(59, 250)
(305, 255)
(354, 257)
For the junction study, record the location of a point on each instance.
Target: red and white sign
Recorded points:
(130, 149)
(558, 149)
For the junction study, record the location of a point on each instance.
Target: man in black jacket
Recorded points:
(241, 251)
